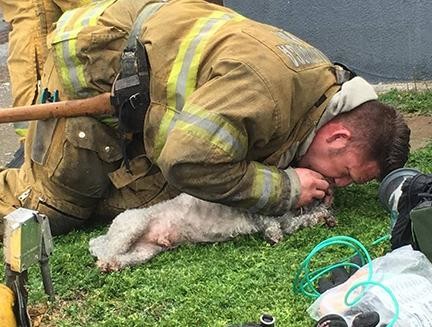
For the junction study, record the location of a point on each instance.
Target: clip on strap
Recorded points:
(343, 73)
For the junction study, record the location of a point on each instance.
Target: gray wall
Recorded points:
(382, 40)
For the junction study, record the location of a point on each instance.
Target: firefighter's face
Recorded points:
(333, 155)
(346, 167)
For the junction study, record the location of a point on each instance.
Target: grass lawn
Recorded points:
(409, 101)
(204, 285)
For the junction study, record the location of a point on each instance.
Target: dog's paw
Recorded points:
(324, 215)
(328, 219)
(273, 234)
(108, 266)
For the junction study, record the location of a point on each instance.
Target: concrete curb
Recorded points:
(412, 86)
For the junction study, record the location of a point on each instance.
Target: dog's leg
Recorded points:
(140, 253)
(311, 217)
(126, 228)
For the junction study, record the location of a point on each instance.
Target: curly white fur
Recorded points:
(137, 235)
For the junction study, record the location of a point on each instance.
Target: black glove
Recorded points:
(338, 276)
(331, 320)
(366, 319)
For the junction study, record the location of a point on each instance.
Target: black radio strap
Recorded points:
(130, 92)
(130, 95)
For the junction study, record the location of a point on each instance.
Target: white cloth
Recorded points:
(352, 94)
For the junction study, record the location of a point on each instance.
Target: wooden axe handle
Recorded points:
(98, 105)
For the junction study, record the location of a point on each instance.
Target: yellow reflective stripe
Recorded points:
(71, 69)
(187, 46)
(183, 76)
(86, 2)
(21, 131)
(214, 129)
(267, 186)
(59, 34)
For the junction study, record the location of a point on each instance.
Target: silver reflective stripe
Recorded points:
(266, 191)
(70, 56)
(68, 61)
(144, 15)
(214, 130)
(182, 80)
(190, 53)
(64, 19)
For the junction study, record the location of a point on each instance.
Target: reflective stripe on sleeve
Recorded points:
(214, 129)
(71, 70)
(267, 186)
(183, 76)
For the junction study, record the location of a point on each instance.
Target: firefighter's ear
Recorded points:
(338, 137)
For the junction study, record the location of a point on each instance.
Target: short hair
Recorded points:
(380, 130)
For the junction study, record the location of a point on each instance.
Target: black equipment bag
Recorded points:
(414, 222)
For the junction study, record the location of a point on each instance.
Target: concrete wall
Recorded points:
(382, 40)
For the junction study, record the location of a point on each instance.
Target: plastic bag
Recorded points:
(405, 272)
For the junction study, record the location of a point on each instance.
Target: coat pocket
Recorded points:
(139, 184)
(81, 156)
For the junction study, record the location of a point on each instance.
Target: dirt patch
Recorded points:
(47, 314)
(421, 130)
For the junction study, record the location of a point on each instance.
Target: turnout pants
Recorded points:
(78, 175)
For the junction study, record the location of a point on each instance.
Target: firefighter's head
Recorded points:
(360, 145)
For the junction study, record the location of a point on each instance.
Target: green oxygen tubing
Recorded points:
(306, 278)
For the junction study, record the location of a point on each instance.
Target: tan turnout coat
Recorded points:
(231, 98)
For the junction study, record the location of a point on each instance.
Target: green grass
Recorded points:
(409, 101)
(214, 284)
(204, 285)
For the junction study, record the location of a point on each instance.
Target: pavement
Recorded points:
(4, 29)
(9, 141)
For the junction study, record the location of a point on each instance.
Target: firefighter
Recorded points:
(231, 111)
(30, 23)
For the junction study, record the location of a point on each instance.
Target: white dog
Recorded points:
(137, 235)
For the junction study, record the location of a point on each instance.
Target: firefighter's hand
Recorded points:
(313, 186)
